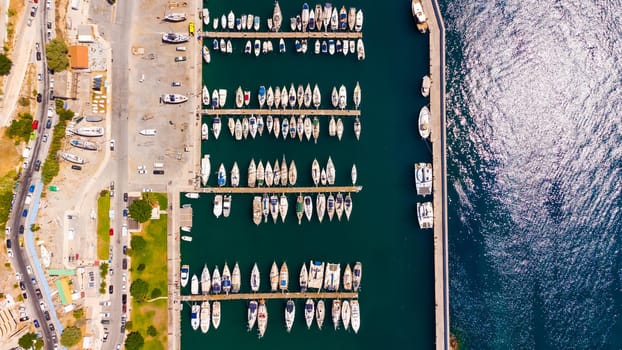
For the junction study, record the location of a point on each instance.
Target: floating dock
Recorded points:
(284, 35)
(280, 111)
(273, 295)
(261, 190)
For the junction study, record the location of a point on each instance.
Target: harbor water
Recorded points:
(534, 159)
(396, 298)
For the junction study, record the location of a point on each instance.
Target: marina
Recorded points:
(279, 111)
(274, 295)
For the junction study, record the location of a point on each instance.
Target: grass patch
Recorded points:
(103, 225)
(153, 256)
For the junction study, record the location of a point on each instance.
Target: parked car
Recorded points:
(76, 167)
(39, 97)
(48, 124)
(25, 213)
(47, 315)
(36, 322)
(180, 58)
(176, 83)
(38, 55)
(110, 289)
(35, 124)
(21, 228)
(45, 138)
(37, 165)
(125, 197)
(112, 145)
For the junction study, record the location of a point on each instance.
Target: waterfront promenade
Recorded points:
(439, 163)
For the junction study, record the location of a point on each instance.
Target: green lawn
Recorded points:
(103, 226)
(153, 256)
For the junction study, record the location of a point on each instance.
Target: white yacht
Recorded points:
(277, 17)
(222, 97)
(336, 312)
(303, 278)
(194, 316)
(360, 49)
(290, 314)
(292, 173)
(292, 96)
(339, 205)
(354, 174)
(235, 279)
(334, 97)
(345, 314)
(358, 25)
(231, 125)
(216, 314)
(425, 86)
(261, 96)
(316, 275)
(237, 130)
(316, 128)
(216, 281)
(252, 314)
(185, 272)
(257, 210)
(226, 279)
(192, 195)
(274, 207)
(205, 96)
(308, 128)
(216, 126)
(222, 175)
(424, 122)
(252, 174)
(283, 206)
(186, 228)
(347, 206)
(332, 126)
(277, 127)
(423, 178)
(425, 215)
(357, 274)
(277, 173)
(252, 126)
(343, 97)
(262, 318)
(205, 15)
(420, 18)
(194, 285)
(339, 128)
(230, 20)
(347, 278)
(284, 174)
(283, 277)
(320, 312)
(205, 316)
(206, 55)
(357, 95)
(205, 169)
(317, 97)
(235, 175)
(255, 278)
(239, 97)
(217, 205)
(257, 47)
(274, 277)
(206, 280)
(320, 206)
(315, 172)
(270, 122)
(351, 18)
(330, 171)
(330, 207)
(309, 312)
(269, 174)
(270, 97)
(308, 207)
(307, 96)
(355, 315)
(323, 179)
(300, 95)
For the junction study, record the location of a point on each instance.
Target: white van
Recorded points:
(180, 48)
(158, 165)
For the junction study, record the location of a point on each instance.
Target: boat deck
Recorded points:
(280, 111)
(261, 190)
(284, 35)
(274, 295)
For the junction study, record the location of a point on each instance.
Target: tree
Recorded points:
(56, 54)
(5, 65)
(155, 293)
(21, 127)
(134, 341)
(140, 267)
(29, 340)
(78, 314)
(140, 210)
(71, 336)
(138, 243)
(152, 331)
(129, 325)
(139, 289)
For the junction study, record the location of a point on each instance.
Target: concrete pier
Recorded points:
(280, 111)
(261, 190)
(284, 35)
(273, 295)
(439, 162)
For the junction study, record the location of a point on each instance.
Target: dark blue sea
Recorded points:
(535, 157)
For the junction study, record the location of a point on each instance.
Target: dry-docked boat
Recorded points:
(309, 312)
(226, 205)
(216, 314)
(87, 145)
(192, 195)
(347, 278)
(320, 205)
(274, 277)
(425, 215)
(217, 205)
(317, 97)
(423, 178)
(290, 314)
(357, 274)
(303, 278)
(308, 207)
(194, 316)
(216, 126)
(283, 207)
(336, 312)
(360, 49)
(174, 38)
(173, 98)
(358, 24)
(320, 312)
(89, 131)
(330, 207)
(176, 17)
(185, 271)
(425, 86)
(292, 173)
(277, 17)
(283, 277)
(206, 280)
(316, 128)
(194, 285)
(357, 128)
(255, 278)
(70, 157)
(205, 169)
(339, 205)
(148, 132)
(262, 318)
(315, 172)
(345, 314)
(206, 55)
(299, 208)
(339, 129)
(354, 174)
(238, 130)
(205, 316)
(252, 314)
(252, 173)
(330, 171)
(307, 96)
(257, 210)
(357, 95)
(284, 174)
(424, 122)
(204, 131)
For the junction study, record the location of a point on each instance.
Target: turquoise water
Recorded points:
(397, 289)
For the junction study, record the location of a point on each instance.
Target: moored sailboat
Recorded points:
(262, 318)
(274, 277)
(309, 312)
(290, 314)
(283, 277)
(255, 278)
(320, 205)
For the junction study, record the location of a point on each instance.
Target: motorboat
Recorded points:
(251, 314)
(261, 174)
(330, 207)
(248, 47)
(425, 86)
(257, 210)
(299, 208)
(332, 277)
(357, 95)
(358, 24)
(355, 315)
(283, 277)
(86, 145)
(360, 50)
(338, 46)
(283, 207)
(226, 205)
(257, 47)
(238, 23)
(205, 169)
(261, 95)
(303, 278)
(347, 278)
(70, 157)
(265, 206)
(298, 23)
(252, 173)
(351, 18)
(239, 97)
(262, 318)
(332, 126)
(320, 206)
(277, 97)
(330, 171)
(292, 96)
(238, 130)
(252, 126)
(277, 17)
(331, 47)
(205, 97)
(236, 279)
(277, 127)
(249, 21)
(215, 98)
(205, 316)
(269, 123)
(292, 173)
(357, 128)
(290, 314)
(420, 18)
(316, 275)
(274, 277)
(148, 132)
(339, 205)
(216, 314)
(336, 312)
(222, 97)
(317, 97)
(339, 129)
(284, 174)
(316, 128)
(194, 285)
(226, 279)
(255, 278)
(308, 207)
(230, 20)
(235, 175)
(353, 46)
(334, 20)
(334, 97)
(345, 314)
(309, 312)
(308, 128)
(206, 280)
(245, 127)
(222, 175)
(269, 175)
(320, 312)
(324, 47)
(323, 176)
(305, 16)
(217, 205)
(243, 21)
(216, 126)
(300, 95)
(185, 271)
(206, 55)
(247, 97)
(343, 101)
(424, 122)
(194, 316)
(307, 96)
(216, 281)
(270, 97)
(317, 47)
(282, 47)
(174, 38)
(346, 48)
(192, 195)
(186, 228)
(256, 23)
(274, 207)
(215, 23)
(223, 21)
(423, 178)
(357, 274)
(311, 20)
(277, 173)
(292, 24)
(178, 17)
(343, 18)
(425, 215)
(303, 46)
(315, 172)
(284, 97)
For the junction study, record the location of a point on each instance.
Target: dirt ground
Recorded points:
(9, 155)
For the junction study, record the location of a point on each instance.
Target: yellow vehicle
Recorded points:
(191, 27)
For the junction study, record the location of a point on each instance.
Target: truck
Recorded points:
(28, 199)
(26, 152)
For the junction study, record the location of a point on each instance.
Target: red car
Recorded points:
(35, 125)
(111, 232)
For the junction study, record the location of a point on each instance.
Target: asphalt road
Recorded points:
(21, 258)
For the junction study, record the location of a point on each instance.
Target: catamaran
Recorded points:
(316, 275)
(425, 215)
(423, 178)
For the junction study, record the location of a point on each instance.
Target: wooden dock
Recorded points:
(284, 35)
(280, 111)
(261, 190)
(275, 295)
